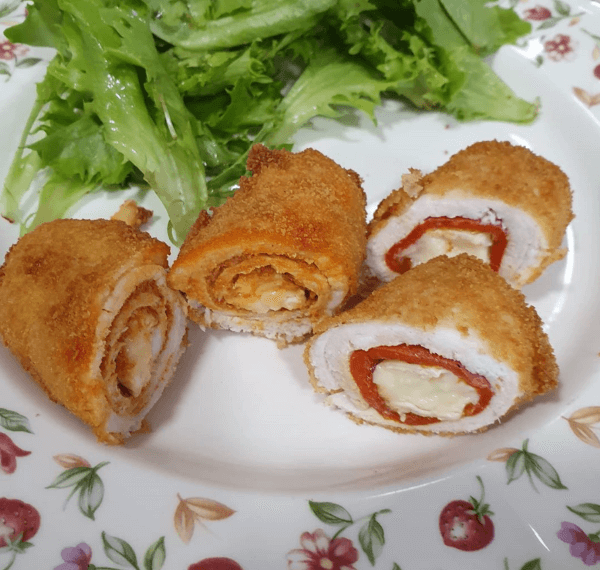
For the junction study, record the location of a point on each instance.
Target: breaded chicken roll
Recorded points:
(283, 252)
(447, 348)
(496, 201)
(85, 307)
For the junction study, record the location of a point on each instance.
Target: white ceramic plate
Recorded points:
(245, 463)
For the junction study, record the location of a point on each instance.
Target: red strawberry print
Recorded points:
(17, 519)
(466, 525)
(218, 563)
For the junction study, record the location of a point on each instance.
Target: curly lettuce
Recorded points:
(173, 93)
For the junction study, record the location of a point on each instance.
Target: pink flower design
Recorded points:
(537, 13)
(76, 557)
(9, 453)
(9, 51)
(319, 552)
(560, 47)
(581, 545)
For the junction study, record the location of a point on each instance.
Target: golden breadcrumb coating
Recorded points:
(497, 171)
(299, 215)
(55, 285)
(463, 293)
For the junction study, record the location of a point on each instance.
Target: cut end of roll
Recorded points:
(143, 332)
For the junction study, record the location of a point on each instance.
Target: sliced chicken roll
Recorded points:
(496, 201)
(85, 307)
(447, 348)
(284, 251)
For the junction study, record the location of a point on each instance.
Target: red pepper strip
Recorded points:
(400, 264)
(363, 362)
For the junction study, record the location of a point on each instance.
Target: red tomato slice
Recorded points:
(400, 264)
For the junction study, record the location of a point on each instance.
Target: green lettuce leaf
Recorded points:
(259, 19)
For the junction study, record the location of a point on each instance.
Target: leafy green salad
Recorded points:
(172, 93)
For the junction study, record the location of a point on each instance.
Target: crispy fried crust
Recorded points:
(55, 284)
(497, 171)
(462, 293)
(296, 209)
(132, 214)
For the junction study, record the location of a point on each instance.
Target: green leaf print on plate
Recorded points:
(84, 480)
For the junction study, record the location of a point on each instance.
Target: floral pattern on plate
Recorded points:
(13, 57)
(84, 481)
(125, 515)
(195, 511)
(320, 551)
(117, 550)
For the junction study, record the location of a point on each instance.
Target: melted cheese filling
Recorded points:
(429, 391)
(449, 242)
(266, 290)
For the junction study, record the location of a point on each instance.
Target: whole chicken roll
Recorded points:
(497, 201)
(283, 252)
(85, 308)
(446, 348)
